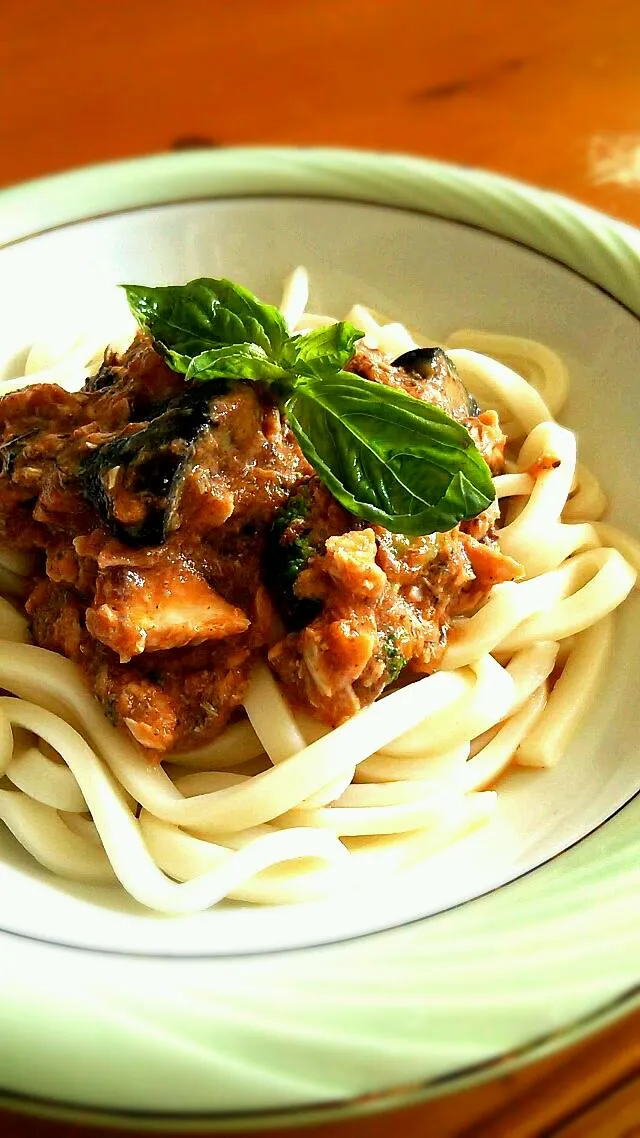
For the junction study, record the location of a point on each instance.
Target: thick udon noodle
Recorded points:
(278, 808)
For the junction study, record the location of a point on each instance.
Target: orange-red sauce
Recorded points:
(165, 628)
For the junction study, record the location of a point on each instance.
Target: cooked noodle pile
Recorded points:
(280, 808)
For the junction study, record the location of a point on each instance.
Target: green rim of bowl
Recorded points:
(390, 1018)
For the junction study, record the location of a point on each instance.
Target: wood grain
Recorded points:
(548, 92)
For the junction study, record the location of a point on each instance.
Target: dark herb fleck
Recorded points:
(288, 551)
(393, 657)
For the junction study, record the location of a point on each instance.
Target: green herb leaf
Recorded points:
(206, 313)
(388, 457)
(242, 361)
(323, 350)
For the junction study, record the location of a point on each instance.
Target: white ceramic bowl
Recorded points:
(233, 1015)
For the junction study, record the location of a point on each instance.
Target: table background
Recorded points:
(547, 91)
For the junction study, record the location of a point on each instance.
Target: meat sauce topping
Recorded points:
(182, 538)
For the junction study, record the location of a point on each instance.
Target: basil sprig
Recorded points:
(386, 456)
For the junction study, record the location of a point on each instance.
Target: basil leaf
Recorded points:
(206, 313)
(387, 456)
(242, 361)
(322, 350)
(176, 360)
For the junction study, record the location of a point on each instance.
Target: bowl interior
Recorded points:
(435, 276)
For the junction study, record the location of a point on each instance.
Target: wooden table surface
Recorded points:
(547, 91)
